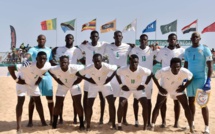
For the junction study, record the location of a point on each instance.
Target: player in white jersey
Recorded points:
(98, 71)
(146, 58)
(90, 48)
(164, 56)
(75, 55)
(27, 82)
(171, 82)
(118, 55)
(130, 79)
(64, 74)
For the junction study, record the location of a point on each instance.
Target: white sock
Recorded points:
(193, 123)
(136, 122)
(153, 124)
(207, 129)
(119, 124)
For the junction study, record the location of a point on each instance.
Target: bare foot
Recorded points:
(30, 124)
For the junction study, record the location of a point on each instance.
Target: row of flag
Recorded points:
(111, 26)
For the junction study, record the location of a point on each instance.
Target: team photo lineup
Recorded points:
(115, 71)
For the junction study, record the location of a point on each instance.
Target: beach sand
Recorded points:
(8, 119)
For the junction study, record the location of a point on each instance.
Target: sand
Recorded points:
(8, 119)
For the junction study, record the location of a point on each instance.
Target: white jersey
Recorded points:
(165, 55)
(117, 55)
(31, 73)
(98, 75)
(90, 50)
(74, 54)
(146, 56)
(133, 79)
(171, 82)
(68, 77)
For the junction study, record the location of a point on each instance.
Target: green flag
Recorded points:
(66, 26)
(171, 27)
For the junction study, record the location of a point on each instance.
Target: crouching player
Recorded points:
(130, 79)
(65, 76)
(98, 72)
(171, 81)
(29, 76)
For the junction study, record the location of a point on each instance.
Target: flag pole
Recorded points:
(56, 32)
(177, 28)
(135, 32)
(156, 30)
(76, 35)
(197, 25)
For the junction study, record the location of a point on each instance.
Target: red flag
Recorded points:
(210, 28)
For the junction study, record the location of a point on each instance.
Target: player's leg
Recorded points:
(136, 109)
(57, 110)
(19, 108)
(85, 103)
(76, 97)
(159, 103)
(51, 106)
(102, 107)
(177, 112)
(163, 114)
(75, 113)
(30, 112)
(205, 114)
(112, 110)
(148, 92)
(184, 102)
(149, 112)
(39, 108)
(143, 101)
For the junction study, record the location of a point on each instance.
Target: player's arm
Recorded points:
(182, 87)
(186, 64)
(56, 78)
(161, 89)
(12, 70)
(123, 87)
(142, 87)
(39, 80)
(77, 81)
(85, 78)
(53, 53)
(110, 77)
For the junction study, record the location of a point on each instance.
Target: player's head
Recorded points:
(175, 65)
(195, 38)
(172, 39)
(134, 61)
(97, 60)
(41, 40)
(143, 39)
(69, 39)
(94, 36)
(64, 62)
(41, 58)
(118, 36)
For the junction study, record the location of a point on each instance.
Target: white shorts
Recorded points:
(136, 93)
(94, 89)
(116, 88)
(148, 89)
(86, 85)
(21, 90)
(34, 90)
(172, 94)
(62, 90)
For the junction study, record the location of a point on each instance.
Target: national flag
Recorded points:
(131, 26)
(171, 27)
(210, 28)
(189, 28)
(107, 27)
(13, 37)
(89, 26)
(150, 28)
(69, 25)
(49, 24)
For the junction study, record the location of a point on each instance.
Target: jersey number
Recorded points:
(132, 81)
(143, 58)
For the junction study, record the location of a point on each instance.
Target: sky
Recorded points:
(26, 15)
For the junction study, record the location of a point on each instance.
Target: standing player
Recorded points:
(74, 54)
(197, 57)
(99, 82)
(132, 76)
(171, 79)
(164, 56)
(146, 58)
(117, 55)
(90, 49)
(64, 74)
(46, 83)
(27, 82)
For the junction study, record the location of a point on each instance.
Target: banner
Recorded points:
(150, 27)
(165, 43)
(110, 26)
(13, 37)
